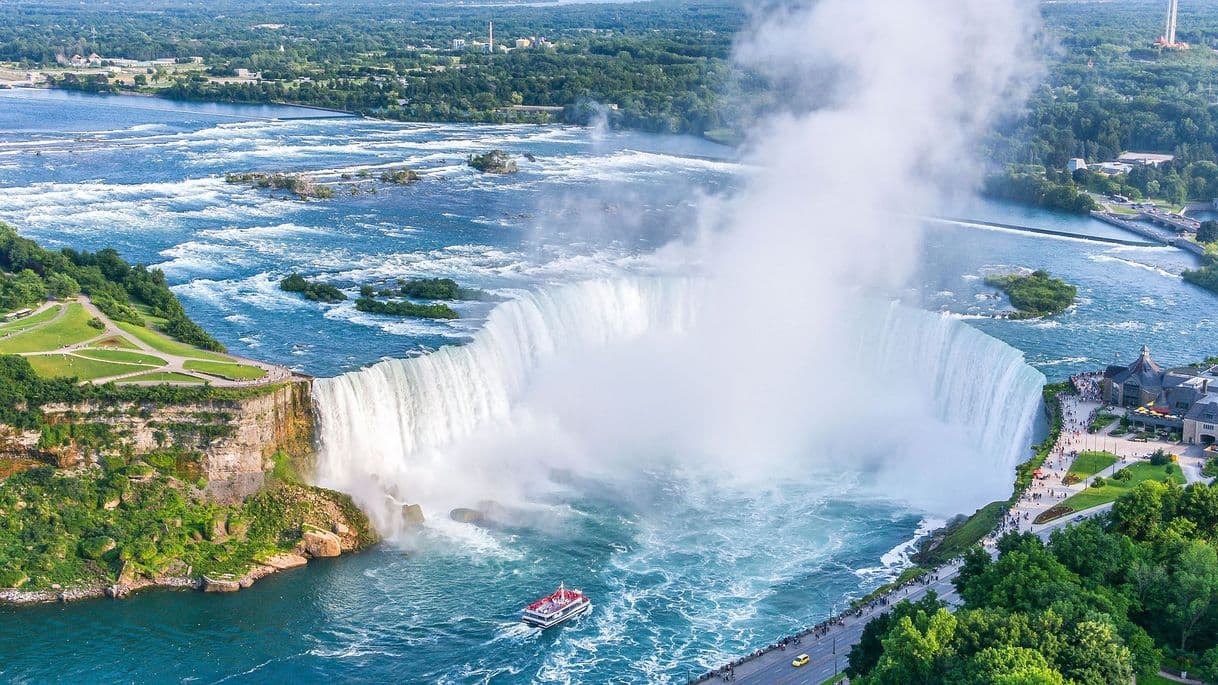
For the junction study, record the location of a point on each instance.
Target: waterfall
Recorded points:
(390, 433)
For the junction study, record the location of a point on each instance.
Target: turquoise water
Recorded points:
(684, 570)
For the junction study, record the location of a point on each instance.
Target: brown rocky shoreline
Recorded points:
(314, 544)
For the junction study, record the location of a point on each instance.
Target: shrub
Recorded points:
(1098, 482)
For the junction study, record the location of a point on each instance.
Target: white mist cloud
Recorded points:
(787, 365)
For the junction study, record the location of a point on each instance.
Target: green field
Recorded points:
(1142, 471)
(1087, 464)
(68, 366)
(30, 321)
(163, 377)
(123, 356)
(161, 343)
(71, 329)
(233, 372)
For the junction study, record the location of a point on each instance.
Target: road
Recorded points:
(775, 666)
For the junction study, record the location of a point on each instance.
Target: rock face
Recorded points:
(412, 514)
(322, 543)
(236, 439)
(220, 585)
(463, 515)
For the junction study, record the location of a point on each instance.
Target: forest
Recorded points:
(1103, 601)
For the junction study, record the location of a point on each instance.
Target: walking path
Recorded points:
(829, 642)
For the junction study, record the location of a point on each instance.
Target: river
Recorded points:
(685, 568)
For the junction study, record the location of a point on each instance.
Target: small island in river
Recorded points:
(1034, 295)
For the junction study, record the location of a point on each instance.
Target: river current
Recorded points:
(686, 568)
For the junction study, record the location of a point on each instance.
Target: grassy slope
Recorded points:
(236, 372)
(30, 321)
(123, 356)
(1093, 497)
(162, 343)
(1090, 463)
(72, 328)
(69, 366)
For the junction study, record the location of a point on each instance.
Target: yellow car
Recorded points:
(801, 660)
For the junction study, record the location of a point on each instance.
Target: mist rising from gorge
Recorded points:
(774, 360)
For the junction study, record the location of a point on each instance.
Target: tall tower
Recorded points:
(1169, 36)
(490, 38)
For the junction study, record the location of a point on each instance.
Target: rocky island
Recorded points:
(493, 162)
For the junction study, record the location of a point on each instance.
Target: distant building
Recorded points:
(523, 43)
(1114, 168)
(458, 43)
(1144, 158)
(1076, 164)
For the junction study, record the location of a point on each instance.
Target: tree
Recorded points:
(62, 286)
(1092, 553)
(1195, 588)
(1208, 232)
(1094, 655)
(867, 651)
(913, 649)
(1010, 665)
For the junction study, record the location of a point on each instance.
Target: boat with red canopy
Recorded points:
(551, 610)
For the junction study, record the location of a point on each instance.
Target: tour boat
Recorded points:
(556, 608)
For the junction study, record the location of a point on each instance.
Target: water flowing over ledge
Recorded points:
(941, 404)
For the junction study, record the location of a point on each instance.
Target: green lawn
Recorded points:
(68, 366)
(233, 372)
(30, 321)
(123, 356)
(1087, 464)
(1142, 471)
(162, 343)
(1155, 679)
(1102, 420)
(163, 377)
(71, 329)
(842, 676)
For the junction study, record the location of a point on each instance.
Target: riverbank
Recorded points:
(115, 547)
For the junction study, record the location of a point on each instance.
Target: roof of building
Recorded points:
(1204, 411)
(1144, 371)
(1145, 157)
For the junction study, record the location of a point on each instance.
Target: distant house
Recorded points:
(1144, 158)
(78, 61)
(1076, 164)
(522, 43)
(458, 43)
(95, 59)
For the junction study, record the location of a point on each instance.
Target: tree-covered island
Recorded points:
(1036, 294)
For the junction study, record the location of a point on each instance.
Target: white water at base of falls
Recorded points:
(928, 409)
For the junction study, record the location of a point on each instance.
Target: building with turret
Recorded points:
(1181, 399)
